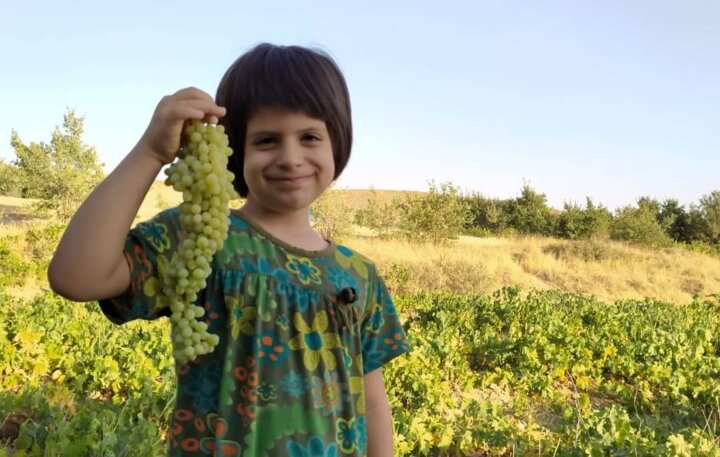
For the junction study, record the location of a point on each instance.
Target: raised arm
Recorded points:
(89, 263)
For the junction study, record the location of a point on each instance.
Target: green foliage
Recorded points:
(576, 223)
(675, 221)
(704, 248)
(650, 222)
(539, 373)
(710, 209)
(28, 255)
(437, 216)
(43, 239)
(529, 213)
(14, 269)
(486, 215)
(332, 216)
(86, 386)
(61, 173)
(639, 225)
(381, 218)
(59, 425)
(549, 373)
(9, 180)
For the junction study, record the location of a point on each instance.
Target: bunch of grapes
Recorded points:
(201, 174)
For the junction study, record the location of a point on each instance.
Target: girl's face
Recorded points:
(288, 159)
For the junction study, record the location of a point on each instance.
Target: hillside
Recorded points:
(608, 270)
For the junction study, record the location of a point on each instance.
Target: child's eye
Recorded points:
(311, 138)
(264, 141)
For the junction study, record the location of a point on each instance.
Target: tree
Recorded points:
(59, 174)
(332, 217)
(437, 216)
(576, 223)
(382, 218)
(698, 228)
(675, 221)
(9, 179)
(529, 213)
(710, 209)
(485, 213)
(639, 225)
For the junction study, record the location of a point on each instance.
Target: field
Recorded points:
(521, 346)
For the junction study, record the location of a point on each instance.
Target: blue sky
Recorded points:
(612, 100)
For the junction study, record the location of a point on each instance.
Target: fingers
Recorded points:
(196, 109)
(191, 93)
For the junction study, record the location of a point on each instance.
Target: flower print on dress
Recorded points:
(295, 296)
(217, 445)
(376, 320)
(351, 434)
(294, 384)
(340, 277)
(243, 242)
(349, 259)
(242, 318)
(315, 448)
(328, 393)
(315, 341)
(373, 357)
(347, 358)
(262, 266)
(264, 299)
(269, 349)
(396, 343)
(142, 262)
(266, 391)
(156, 233)
(283, 321)
(203, 386)
(356, 386)
(304, 269)
(240, 243)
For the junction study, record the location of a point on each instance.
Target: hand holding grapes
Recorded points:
(163, 136)
(207, 186)
(183, 126)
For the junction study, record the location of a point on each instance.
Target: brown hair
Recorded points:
(292, 77)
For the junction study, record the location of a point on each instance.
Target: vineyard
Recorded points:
(514, 373)
(520, 346)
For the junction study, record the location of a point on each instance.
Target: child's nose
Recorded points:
(289, 154)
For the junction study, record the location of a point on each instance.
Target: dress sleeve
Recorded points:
(382, 335)
(149, 246)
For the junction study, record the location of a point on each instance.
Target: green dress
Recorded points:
(298, 330)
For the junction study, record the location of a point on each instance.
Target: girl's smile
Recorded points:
(288, 159)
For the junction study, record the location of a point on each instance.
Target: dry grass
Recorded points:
(608, 270)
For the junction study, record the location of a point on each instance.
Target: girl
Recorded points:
(305, 325)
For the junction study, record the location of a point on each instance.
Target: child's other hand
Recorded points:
(163, 136)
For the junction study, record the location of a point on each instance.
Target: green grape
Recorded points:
(201, 175)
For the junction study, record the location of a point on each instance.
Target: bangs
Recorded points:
(290, 77)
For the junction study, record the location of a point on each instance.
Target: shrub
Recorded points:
(14, 270)
(529, 213)
(576, 223)
(332, 217)
(486, 215)
(379, 217)
(437, 216)
(61, 174)
(639, 225)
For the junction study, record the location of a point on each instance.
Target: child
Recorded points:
(305, 325)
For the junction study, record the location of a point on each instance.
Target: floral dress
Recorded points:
(298, 330)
